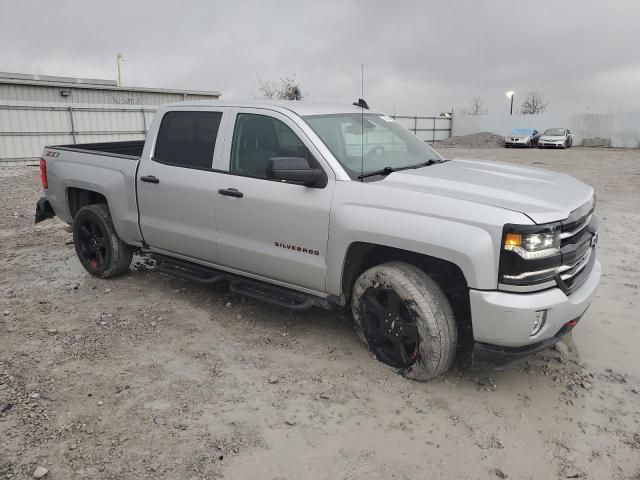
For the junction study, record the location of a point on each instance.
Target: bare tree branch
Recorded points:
(476, 107)
(533, 104)
(285, 89)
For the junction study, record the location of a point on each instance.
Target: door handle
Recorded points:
(149, 179)
(231, 192)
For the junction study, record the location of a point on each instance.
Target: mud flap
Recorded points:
(44, 210)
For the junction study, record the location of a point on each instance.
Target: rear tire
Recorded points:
(423, 324)
(100, 251)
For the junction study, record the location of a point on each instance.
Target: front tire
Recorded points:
(405, 320)
(100, 250)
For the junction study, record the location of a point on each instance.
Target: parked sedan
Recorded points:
(556, 138)
(522, 137)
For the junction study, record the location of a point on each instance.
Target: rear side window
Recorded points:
(188, 139)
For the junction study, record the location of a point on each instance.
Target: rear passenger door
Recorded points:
(176, 185)
(275, 230)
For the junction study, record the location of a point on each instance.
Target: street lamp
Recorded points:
(510, 95)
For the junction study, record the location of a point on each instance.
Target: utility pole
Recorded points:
(119, 60)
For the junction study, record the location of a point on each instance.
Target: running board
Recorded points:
(279, 296)
(186, 270)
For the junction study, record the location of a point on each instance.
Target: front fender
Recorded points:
(464, 233)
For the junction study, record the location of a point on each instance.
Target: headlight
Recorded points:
(530, 254)
(533, 245)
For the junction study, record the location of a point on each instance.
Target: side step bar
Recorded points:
(186, 270)
(279, 296)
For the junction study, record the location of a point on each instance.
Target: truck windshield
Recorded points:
(375, 144)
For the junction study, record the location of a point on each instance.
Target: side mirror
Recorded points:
(296, 170)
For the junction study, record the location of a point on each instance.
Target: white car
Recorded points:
(556, 138)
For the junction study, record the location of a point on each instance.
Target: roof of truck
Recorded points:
(300, 107)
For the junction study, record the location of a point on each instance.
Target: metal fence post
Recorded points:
(73, 125)
(144, 122)
(415, 125)
(433, 136)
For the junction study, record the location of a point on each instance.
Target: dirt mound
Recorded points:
(476, 140)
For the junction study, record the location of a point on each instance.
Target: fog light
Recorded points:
(538, 323)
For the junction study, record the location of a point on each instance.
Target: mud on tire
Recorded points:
(427, 307)
(100, 250)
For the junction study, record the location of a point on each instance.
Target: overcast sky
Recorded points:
(420, 57)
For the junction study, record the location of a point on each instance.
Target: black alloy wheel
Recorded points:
(389, 328)
(92, 240)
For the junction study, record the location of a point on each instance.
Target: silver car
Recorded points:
(556, 138)
(522, 137)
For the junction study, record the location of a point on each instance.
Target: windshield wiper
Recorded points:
(388, 170)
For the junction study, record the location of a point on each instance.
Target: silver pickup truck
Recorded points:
(302, 204)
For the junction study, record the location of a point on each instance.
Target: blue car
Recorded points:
(522, 137)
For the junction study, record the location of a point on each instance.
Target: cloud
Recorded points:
(420, 57)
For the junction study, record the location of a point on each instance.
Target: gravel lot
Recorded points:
(147, 376)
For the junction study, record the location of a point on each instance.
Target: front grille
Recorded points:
(578, 238)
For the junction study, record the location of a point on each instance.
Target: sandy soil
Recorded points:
(146, 376)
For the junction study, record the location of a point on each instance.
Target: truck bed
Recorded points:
(108, 169)
(131, 149)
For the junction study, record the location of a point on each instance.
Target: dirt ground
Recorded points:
(146, 376)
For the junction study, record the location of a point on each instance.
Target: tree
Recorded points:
(476, 107)
(533, 104)
(284, 89)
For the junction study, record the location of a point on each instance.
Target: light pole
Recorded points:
(510, 95)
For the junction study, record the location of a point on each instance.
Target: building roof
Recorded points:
(299, 107)
(89, 83)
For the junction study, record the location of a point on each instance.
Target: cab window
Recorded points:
(187, 139)
(258, 138)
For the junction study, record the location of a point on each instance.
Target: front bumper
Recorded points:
(543, 144)
(504, 320)
(495, 357)
(516, 143)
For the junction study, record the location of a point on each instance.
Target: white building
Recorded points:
(39, 110)
(20, 87)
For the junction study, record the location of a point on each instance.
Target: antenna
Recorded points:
(362, 104)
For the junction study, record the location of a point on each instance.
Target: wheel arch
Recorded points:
(450, 278)
(81, 197)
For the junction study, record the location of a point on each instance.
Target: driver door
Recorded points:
(271, 229)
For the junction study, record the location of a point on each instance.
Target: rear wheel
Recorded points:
(405, 320)
(100, 250)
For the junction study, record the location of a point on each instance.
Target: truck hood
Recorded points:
(542, 195)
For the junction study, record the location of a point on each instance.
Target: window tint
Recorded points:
(257, 138)
(187, 139)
